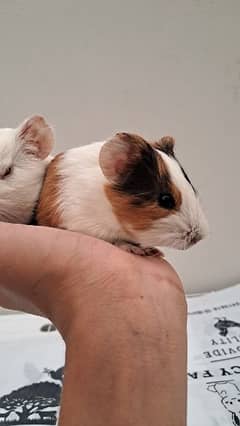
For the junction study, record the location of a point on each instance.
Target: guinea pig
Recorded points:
(24, 156)
(127, 191)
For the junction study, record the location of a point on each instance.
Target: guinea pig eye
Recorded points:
(7, 172)
(166, 201)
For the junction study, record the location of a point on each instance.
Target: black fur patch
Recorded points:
(185, 174)
(143, 179)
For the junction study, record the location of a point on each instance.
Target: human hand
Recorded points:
(124, 314)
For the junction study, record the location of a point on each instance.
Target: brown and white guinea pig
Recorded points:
(125, 190)
(24, 157)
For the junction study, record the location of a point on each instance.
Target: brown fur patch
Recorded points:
(47, 210)
(136, 211)
(128, 214)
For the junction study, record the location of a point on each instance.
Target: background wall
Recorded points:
(153, 67)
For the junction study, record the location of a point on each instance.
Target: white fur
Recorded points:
(83, 203)
(85, 208)
(20, 190)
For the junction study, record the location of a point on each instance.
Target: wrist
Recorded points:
(89, 285)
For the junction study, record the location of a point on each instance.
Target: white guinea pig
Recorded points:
(127, 191)
(24, 156)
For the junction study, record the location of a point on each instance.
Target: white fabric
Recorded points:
(31, 362)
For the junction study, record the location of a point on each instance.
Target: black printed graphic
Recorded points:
(48, 327)
(229, 394)
(224, 324)
(34, 404)
(56, 374)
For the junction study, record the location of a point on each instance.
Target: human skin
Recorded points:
(122, 317)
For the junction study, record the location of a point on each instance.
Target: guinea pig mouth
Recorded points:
(191, 238)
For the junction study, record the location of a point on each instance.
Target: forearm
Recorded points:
(128, 367)
(34, 262)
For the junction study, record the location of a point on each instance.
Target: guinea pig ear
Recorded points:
(118, 155)
(37, 136)
(165, 144)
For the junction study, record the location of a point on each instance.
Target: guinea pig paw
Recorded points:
(138, 250)
(152, 251)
